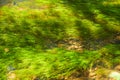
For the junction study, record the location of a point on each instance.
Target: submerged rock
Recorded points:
(10, 68)
(117, 68)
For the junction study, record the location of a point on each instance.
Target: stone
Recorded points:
(117, 68)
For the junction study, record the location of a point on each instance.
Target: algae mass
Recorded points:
(58, 39)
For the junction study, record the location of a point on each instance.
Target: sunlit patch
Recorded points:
(115, 2)
(6, 50)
